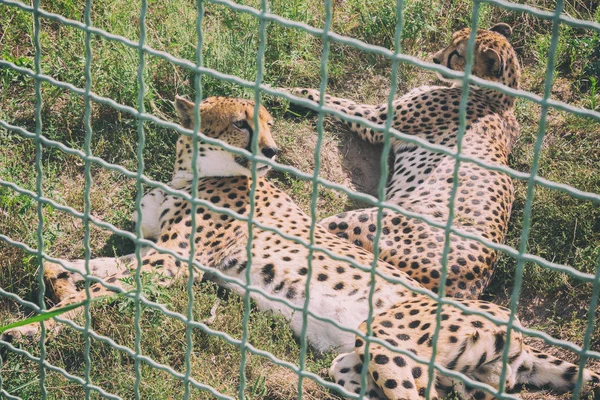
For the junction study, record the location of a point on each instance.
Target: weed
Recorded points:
(11, 77)
(592, 99)
(258, 390)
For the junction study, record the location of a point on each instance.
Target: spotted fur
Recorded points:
(467, 344)
(421, 180)
(279, 268)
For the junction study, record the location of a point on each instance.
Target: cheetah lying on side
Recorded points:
(421, 180)
(279, 267)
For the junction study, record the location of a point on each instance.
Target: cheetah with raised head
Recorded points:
(339, 290)
(421, 180)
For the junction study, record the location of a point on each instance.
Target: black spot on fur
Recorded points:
(268, 272)
(416, 372)
(62, 275)
(391, 384)
(569, 373)
(399, 361)
(381, 359)
(499, 342)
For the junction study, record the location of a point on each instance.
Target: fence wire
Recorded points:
(265, 17)
(38, 187)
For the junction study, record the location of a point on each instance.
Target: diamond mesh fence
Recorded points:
(196, 68)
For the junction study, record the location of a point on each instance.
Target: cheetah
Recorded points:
(421, 180)
(279, 269)
(466, 343)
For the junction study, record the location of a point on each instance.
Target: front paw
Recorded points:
(151, 209)
(23, 335)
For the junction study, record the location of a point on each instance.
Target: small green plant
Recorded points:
(453, 396)
(592, 98)
(258, 390)
(150, 287)
(11, 77)
(417, 24)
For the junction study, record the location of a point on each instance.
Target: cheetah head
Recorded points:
(232, 121)
(494, 58)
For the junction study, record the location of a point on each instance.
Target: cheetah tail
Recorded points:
(545, 371)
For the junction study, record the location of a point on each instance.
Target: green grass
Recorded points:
(564, 230)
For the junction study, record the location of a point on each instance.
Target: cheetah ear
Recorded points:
(503, 29)
(185, 111)
(494, 63)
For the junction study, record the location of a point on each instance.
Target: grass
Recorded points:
(563, 230)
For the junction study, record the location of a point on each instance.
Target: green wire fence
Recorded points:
(328, 36)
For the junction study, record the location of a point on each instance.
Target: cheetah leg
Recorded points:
(151, 204)
(531, 368)
(414, 247)
(349, 107)
(463, 391)
(397, 375)
(357, 226)
(345, 371)
(543, 370)
(62, 282)
(160, 266)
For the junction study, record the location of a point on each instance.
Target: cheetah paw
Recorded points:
(24, 335)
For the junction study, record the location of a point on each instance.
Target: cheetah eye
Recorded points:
(460, 49)
(454, 53)
(243, 125)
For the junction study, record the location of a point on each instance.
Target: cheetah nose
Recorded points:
(270, 152)
(437, 60)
